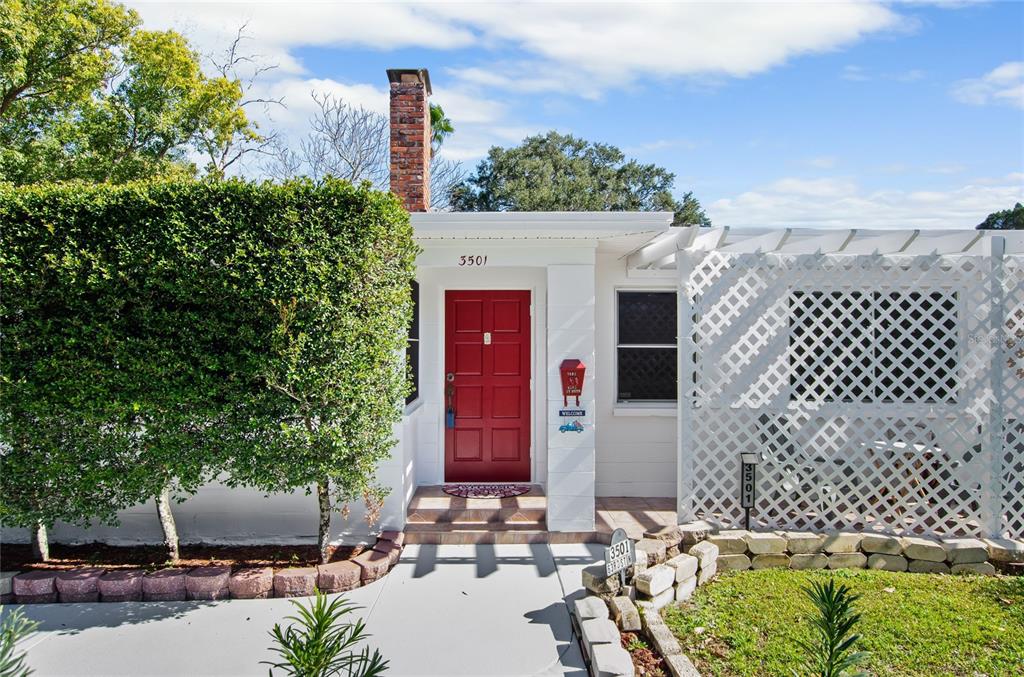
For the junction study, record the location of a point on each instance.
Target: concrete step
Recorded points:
(499, 536)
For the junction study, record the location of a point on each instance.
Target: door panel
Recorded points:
(487, 348)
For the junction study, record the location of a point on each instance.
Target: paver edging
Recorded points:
(258, 581)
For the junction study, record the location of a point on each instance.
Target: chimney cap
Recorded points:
(399, 75)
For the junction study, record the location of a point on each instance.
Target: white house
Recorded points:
(877, 375)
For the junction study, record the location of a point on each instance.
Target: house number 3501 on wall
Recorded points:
(473, 260)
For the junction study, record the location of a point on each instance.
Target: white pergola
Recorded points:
(877, 374)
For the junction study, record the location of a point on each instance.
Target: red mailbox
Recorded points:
(572, 380)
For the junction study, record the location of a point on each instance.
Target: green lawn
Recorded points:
(747, 623)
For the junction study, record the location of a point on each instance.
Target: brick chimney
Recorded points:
(410, 137)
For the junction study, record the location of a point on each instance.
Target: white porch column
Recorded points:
(571, 455)
(685, 349)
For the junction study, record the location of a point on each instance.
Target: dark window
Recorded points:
(868, 346)
(412, 349)
(646, 347)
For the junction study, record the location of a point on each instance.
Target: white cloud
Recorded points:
(815, 203)
(855, 74)
(1003, 84)
(568, 47)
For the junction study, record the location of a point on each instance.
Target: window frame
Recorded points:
(642, 403)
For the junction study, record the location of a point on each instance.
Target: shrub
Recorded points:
(832, 654)
(14, 628)
(322, 645)
(159, 334)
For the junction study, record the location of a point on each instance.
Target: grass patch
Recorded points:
(748, 623)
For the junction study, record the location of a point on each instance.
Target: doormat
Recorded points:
(485, 490)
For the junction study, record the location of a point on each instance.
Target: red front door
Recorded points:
(487, 385)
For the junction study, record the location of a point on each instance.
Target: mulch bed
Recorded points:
(645, 661)
(15, 557)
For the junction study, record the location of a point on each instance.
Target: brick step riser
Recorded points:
(490, 516)
(501, 537)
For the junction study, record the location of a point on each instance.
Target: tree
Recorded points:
(1007, 219)
(557, 172)
(352, 143)
(89, 95)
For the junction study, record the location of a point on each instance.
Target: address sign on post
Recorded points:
(619, 556)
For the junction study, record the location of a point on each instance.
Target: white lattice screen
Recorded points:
(883, 392)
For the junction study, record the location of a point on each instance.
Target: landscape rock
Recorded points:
(706, 553)
(625, 614)
(965, 550)
(596, 580)
(34, 584)
(165, 585)
(730, 542)
(396, 537)
(685, 589)
(389, 548)
(649, 616)
(599, 631)
(1004, 550)
(883, 544)
(733, 562)
(655, 580)
(884, 562)
(980, 568)
(681, 666)
(590, 607)
(765, 543)
(841, 542)
(295, 582)
(685, 566)
(374, 564)
(121, 585)
(659, 601)
(611, 660)
(924, 566)
(708, 572)
(771, 561)
(339, 576)
(655, 550)
(805, 561)
(803, 542)
(927, 549)
(79, 585)
(847, 560)
(664, 641)
(695, 532)
(671, 536)
(208, 583)
(251, 583)
(6, 589)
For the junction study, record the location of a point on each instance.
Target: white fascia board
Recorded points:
(537, 225)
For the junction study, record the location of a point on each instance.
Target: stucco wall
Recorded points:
(636, 447)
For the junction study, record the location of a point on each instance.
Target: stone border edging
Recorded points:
(673, 561)
(94, 584)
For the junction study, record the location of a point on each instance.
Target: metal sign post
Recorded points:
(748, 483)
(619, 556)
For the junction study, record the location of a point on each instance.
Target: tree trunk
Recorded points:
(40, 543)
(323, 495)
(163, 509)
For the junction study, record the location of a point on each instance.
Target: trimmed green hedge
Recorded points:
(157, 334)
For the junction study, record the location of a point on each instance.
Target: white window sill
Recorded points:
(666, 410)
(413, 406)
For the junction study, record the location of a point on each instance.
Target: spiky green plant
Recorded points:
(831, 653)
(13, 628)
(319, 644)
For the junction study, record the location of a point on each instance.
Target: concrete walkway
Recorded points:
(443, 610)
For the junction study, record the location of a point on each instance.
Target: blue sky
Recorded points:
(845, 114)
